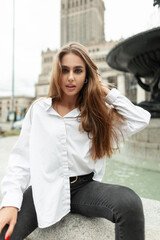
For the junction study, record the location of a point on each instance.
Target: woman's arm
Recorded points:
(136, 118)
(17, 177)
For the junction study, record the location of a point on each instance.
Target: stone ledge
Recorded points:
(74, 226)
(78, 227)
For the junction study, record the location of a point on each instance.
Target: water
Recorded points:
(144, 182)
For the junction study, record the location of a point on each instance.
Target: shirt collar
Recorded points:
(47, 103)
(48, 107)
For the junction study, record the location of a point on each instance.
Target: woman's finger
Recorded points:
(2, 225)
(8, 216)
(9, 230)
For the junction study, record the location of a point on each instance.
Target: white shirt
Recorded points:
(50, 149)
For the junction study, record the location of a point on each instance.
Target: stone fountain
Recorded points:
(140, 56)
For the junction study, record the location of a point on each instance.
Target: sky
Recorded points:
(37, 27)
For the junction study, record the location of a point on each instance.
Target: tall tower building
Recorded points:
(82, 21)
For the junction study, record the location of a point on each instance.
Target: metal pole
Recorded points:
(13, 50)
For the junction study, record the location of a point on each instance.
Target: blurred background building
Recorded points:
(21, 104)
(82, 21)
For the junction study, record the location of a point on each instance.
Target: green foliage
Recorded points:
(9, 133)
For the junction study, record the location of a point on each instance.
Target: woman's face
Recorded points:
(73, 75)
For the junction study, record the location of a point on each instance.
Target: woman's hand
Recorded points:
(8, 215)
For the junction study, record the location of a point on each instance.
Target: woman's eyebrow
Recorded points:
(64, 66)
(78, 67)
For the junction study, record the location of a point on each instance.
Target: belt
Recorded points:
(86, 177)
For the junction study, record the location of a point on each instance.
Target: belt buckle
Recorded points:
(74, 180)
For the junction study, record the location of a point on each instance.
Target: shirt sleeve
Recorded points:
(17, 176)
(136, 118)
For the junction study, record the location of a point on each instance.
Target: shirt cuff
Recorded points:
(10, 201)
(112, 95)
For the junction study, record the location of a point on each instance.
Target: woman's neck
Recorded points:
(65, 105)
(68, 102)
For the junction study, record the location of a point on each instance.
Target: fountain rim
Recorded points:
(115, 57)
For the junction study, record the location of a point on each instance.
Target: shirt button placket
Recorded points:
(66, 197)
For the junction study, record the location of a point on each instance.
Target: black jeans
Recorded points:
(118, 204)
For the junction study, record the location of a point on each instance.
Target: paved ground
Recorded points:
(5, 126)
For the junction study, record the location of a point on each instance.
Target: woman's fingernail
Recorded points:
(7, 238)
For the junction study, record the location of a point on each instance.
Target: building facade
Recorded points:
(42, 87)
(21, 104)
(82, 21)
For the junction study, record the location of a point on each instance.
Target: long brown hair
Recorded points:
(98, 119)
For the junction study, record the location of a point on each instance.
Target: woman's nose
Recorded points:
(71, 76)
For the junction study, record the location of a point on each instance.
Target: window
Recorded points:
(48, 59)
(69, 4)
(63, 6)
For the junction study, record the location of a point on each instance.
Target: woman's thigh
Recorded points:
(116, 203)
(108, 201)
(27, 219)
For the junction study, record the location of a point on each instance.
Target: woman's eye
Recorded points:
(78, 70)
(64, 70)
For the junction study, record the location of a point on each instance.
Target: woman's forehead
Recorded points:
(72, 60)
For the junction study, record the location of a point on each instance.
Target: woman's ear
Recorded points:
(86, 81)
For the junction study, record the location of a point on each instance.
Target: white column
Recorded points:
(140, 94)
(121, 84)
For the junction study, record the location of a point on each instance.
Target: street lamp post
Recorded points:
(13, 49)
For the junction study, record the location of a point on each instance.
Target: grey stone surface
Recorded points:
(74, 226)
(152, 219)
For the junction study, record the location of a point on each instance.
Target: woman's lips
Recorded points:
(70, 87)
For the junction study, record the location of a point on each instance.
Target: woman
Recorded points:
(62, 149)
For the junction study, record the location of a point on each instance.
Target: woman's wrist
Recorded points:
(106, 90)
